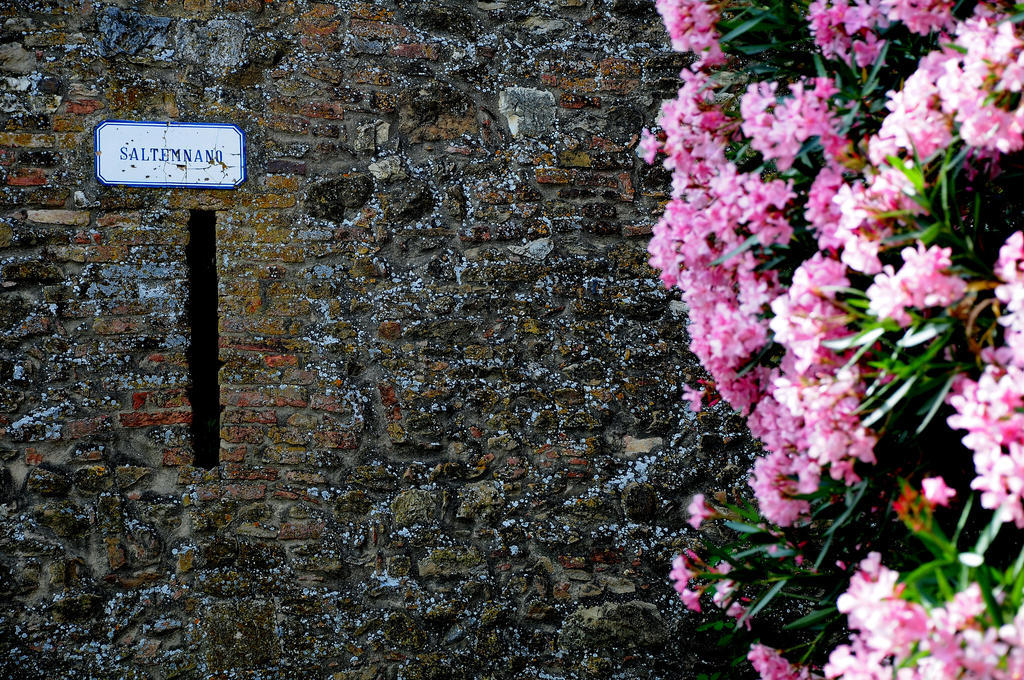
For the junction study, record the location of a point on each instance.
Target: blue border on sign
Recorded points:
(170, 123)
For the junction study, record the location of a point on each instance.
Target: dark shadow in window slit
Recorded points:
(203, 356)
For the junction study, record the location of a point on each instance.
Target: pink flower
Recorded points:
(920, 16)
(680, 575)
(922, 282)
(691, 28)
(837, 24)
(699, 511)
(936, 492)
(771, 665)
(778, 128)
(649, 146)
(693, 397)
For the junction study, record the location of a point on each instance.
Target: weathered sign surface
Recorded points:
(170, 154)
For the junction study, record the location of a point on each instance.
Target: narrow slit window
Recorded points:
(203, 354)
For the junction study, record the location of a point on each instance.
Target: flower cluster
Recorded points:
(889, 633)
(685, 571)
(826, 230)
(722, 224)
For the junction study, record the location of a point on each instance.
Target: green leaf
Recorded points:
(962, 522)
(912, 173)
(922, 571)
(763, 602)
(864, 338)
(988, 535)
(985, 581)
(936, 402)
(916, 336)
(743, 528)
(811, 619)
(819, 66)
(889, 403)
(743, 247)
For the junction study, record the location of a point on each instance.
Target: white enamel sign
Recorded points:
(171, 154)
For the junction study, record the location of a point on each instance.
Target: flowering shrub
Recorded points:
(843, 228)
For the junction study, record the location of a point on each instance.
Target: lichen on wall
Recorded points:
(452, 441)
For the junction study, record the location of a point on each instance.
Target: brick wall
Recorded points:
(451, 443)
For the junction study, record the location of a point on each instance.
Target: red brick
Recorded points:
(249, 416)
(27, 140)
(415, 51)
(329, 110)
(84, 106)
(233, 454)
(572, 562)
(238, 434)
(209, 492)
(108, 326)
(552, 176)
(246, 492)
(376, 29)
(338, 439)
(567, 100)
(235, 471)
(84, 428)
(175, 398)
(619, 67)
(29, 177)
(390, 330)
(329, 402)
(77, 218)
(371, 12)
(300, 530)
(387, 393)
(162, 418)
(177, 457)
(633, 230)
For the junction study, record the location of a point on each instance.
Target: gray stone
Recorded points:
(639, 502)
(529, 112)
(370, 137)
(218, 43)
(331, 197)
(479, 501)
(16, 59)
(131, 32)
(408, 201)
(634, 446)
(414, 506)
(612, 626)
(388, 169)
(240, 635)
(535, 250)
(451, 561)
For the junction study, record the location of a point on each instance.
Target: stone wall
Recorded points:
(451, 444)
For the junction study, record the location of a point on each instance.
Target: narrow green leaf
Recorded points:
(743, 528)
(864, 338)
(768, 597)
(988, 535)
(922, 571)
(746, 245)
(811, 619)
(741, 29)
(937, 401)
(962, 521)
(985, 581)
(889, 403)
